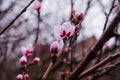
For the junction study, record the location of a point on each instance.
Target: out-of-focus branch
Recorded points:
(107, 70)
(47, 71)
(99, 44)
(101, 63)
(23, 10)
(38, 29)
(108, 15)
(71, 9)
(3, 13)
(88, 7)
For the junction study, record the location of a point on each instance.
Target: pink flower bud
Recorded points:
(55, 47)
(36, 59)
(37, 5)
(80, 16)
(26, 76)
(67, 72)
(23, 60)
(19, 77)
(28, 50)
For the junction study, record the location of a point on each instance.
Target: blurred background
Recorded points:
(25, 30)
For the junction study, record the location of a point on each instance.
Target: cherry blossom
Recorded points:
(66, 30)
(28, 50)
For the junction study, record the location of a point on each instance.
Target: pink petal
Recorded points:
(24, 51)
(57, 32)
(29, 47)
(68, 27)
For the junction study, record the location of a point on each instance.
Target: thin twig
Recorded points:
(38, 29)
(96, 61)
(88, 7)
(71, 43)
(108, 69)
(101, 63)
(108, 15)
(23, 10)
(47, 71)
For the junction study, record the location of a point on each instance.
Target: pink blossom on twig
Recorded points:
(19, 77)
(37, 5)
(26, 76)
(66, 30)
(23, 60)
(55, 47)
(36, 59)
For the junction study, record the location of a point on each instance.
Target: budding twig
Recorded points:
(45, 75)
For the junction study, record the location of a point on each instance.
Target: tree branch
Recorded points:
(101, 63)
(99, 44)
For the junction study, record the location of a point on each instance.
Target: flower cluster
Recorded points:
(27, 50)
(26, 60)
(21, 77)
(67, 29)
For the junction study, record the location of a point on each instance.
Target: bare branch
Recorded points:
(101, 63)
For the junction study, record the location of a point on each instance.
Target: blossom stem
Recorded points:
(38, 29)
(47, 71)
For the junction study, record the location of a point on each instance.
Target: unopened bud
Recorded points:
(80, 16)
(36, 59)
(55, 47)
(23, 60)
(19, 77)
